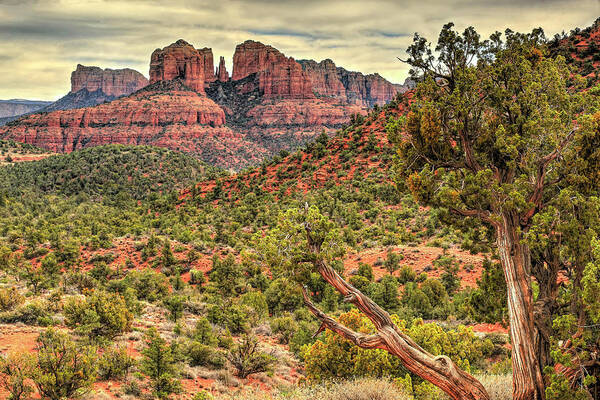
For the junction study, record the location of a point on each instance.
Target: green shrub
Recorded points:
(197, 277)
(63, 368)
(407, 274)
(336, 358)
(174, 304)
(101, 315)
(206, 356)
(31, 313)
(366, 271)
(284, 327)
(15, 370)
(114, 363)
(158, 363)
(283, 295)
(256, 303)
(202, 395)
(148, 284)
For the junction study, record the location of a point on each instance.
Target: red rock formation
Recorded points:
(277, 75)
(162, 113)
(270, 105)
(179, 60)
(346, 86)
(325, 79)
(222, 74)
(209, 68)
(119, 82)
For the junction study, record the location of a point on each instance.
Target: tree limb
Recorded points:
(361, 340)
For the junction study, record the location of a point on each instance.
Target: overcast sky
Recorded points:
(41, 41)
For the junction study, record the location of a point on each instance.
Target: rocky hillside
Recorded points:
(581, 48)
(270, 103)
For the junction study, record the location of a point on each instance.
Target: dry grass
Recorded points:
(360, 389)
(498, 386)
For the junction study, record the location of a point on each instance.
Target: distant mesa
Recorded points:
(91, 86)
(15, 107)
(112, 82)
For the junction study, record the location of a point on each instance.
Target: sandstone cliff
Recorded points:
(347, 86)
(179, 60)
(277, 75)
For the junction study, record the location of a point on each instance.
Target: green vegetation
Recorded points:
(111, 171)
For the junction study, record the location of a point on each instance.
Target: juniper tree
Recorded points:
(306, 242)
(490, 125)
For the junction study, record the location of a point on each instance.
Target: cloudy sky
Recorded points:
(41, 41)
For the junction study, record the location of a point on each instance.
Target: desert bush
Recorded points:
(33, 312)
(10, 298)
(256, 303)
(204, 355)
(203, 333)
(115, 363)
(247, 358)
(15, 369)
(197, 277)
(336, 358)
(63, 368)
(284, 327)
(406, 274)
(101, 315)
(174, 304)
(283, 295)
(148, 284)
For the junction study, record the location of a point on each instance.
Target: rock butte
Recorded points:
(271, 102)
(115, 83)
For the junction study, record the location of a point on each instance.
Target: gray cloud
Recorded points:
(41, 41)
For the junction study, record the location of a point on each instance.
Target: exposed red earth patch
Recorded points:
(420, 259)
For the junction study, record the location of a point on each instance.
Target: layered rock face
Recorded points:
(325, 79)
(179, 60)
(346, 86)
(278, 76)
(114, 83)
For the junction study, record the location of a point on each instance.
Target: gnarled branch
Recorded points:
(359, 339)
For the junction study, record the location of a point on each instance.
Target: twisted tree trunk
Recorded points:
(528, 382)
(439, 370)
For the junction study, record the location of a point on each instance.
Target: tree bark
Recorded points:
(528, 382)
(439, 370)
